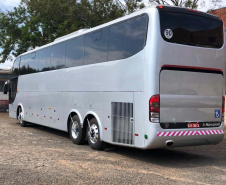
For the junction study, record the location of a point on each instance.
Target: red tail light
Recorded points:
(154, 108)
(160, 6)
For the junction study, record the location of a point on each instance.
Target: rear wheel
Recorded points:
(93, 135)
(21, 117)
(77, 134)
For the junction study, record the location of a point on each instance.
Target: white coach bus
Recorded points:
(151, 79)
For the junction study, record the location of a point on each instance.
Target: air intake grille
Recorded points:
(122, 122)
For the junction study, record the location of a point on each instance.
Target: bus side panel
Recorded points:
(118, 122)
(119, 75)
(138, 119)
(52, 109)
(12, 111)
(65, 89)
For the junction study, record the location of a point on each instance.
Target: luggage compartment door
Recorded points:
(187, 96)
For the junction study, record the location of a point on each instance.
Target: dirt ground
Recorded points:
(40, 155)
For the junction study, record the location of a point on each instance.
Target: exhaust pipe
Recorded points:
(169, 143)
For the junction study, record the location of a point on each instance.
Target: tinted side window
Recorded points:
(44, 59)
(24, 64)
(127, 38)
(75, 52)
(28, 64)
(58, 56)
(33, 65)
(1, 86)
(96, 46)
(16, 67)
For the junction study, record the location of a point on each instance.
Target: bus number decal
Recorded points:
(168, 33)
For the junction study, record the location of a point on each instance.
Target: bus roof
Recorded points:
(87, 30)
(136, 13)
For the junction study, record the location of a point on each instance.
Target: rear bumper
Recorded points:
(158, 137)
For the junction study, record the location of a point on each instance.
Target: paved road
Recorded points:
(39, 155)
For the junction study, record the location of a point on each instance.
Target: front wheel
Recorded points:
(21, 118)
(77, 134)
(93, 133)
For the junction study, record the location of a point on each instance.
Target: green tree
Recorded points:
(93, 13)
(14, 32)
(133, 5)
(34, 23)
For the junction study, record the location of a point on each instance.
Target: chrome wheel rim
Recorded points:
(93, 133)
(20, 116)
(75, 130)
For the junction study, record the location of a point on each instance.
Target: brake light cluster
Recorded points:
(193, 10)
(223, 107)
(154, 108)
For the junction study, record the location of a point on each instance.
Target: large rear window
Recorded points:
(194, 30)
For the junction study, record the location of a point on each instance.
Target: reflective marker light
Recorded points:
(223, 107)
(154, 109)
(223, 104)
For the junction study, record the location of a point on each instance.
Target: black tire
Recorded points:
(20, 119)
(80, 137)
(23, 124)
(98, 145)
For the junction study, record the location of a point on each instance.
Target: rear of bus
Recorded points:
(186, 107)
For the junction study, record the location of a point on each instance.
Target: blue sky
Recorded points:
(8, 4)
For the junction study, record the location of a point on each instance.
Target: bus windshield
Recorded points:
(191, 29)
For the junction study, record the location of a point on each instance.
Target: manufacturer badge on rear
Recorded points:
(217, 113)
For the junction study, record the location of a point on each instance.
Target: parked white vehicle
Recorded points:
(151, 79)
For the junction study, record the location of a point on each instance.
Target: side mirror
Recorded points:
(5, 88)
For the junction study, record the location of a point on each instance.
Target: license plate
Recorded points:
(193, 125)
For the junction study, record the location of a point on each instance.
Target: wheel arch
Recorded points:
(72, 113)
(17, 109)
